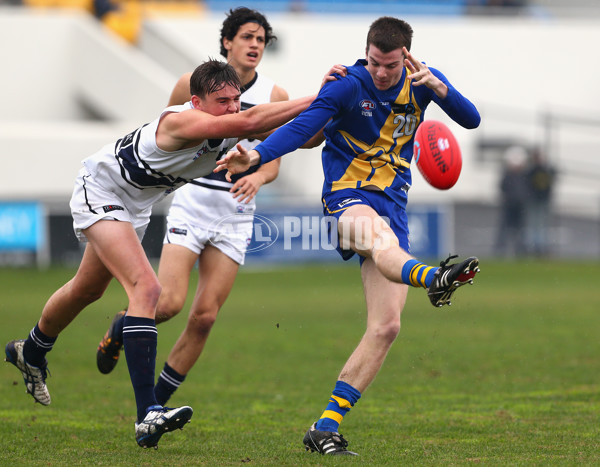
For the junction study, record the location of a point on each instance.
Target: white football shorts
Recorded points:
(230, 234)
(91, 202)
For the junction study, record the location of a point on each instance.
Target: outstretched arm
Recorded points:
(181, 129)
(306, 131)
(334, 73)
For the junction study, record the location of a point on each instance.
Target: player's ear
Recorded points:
(227, 44)
(196, 102)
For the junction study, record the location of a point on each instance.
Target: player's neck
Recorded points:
(246, 76)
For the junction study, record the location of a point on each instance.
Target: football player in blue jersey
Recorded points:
(370, 118)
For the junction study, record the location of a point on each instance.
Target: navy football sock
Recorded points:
(36, 346)
(168, 382)
(139, 341)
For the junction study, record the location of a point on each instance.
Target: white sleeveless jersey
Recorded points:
(257, 91)
(206, 200)
(142, 173)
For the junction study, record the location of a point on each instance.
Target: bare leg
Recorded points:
(88, 285)
(174, 270)
(117, 246)
(217, 276)
(361, 229)
(385, 301)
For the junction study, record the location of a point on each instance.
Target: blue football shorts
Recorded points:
(335, 204)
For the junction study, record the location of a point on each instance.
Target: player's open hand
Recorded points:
(235, 162)
(335, 69)
(246, 188)
(422, 75)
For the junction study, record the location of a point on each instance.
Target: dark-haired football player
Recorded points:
(210, 220)
(371, 116)
(111, 206)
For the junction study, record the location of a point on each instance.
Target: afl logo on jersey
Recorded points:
(367, 107)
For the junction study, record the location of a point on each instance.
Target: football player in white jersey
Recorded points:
(210, 220)
(120, 183)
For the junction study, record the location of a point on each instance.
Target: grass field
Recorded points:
(509, 375)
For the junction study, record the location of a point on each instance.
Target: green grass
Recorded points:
(509, 375)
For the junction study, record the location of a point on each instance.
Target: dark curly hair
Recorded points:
(240, 16)
(212, 76)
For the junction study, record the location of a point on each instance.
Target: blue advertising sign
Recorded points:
(431, 231)
(21, 226)
(303, 235)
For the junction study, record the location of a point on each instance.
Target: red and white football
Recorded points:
(437, 154)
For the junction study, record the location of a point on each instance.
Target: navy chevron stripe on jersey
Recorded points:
(144, 171)
(136, 171)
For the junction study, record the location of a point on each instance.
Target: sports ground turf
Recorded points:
(509, 375)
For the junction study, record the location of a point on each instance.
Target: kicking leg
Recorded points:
(361, 229)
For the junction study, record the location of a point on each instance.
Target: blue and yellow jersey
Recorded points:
(369, 133)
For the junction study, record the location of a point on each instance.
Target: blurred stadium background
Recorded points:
(80, 73)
